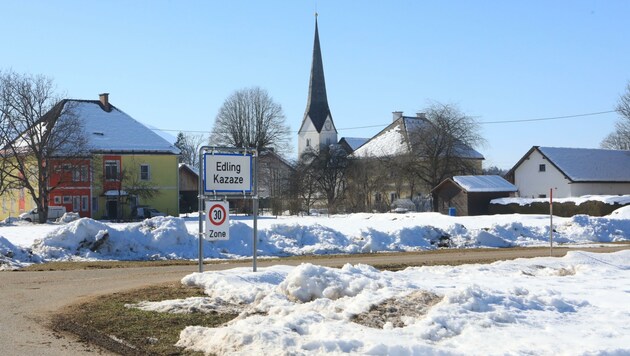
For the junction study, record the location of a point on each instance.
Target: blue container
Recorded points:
(452, 212)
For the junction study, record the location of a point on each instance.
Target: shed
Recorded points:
(471, 195)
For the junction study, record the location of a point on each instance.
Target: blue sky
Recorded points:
(171, 64)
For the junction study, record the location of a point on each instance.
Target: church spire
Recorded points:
(317, 106)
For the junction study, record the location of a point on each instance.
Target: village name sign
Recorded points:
(228, 173)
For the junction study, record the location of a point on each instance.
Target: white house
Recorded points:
(571, 172)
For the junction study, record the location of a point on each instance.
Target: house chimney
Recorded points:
(421, 115)
(397, 115)
(104, 98)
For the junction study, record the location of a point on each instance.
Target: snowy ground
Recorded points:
(23, 243)
(575, 305)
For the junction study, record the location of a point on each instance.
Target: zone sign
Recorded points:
(217, 220)
(227, 173)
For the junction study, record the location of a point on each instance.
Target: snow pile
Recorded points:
(176, 238)
(69, 217)
(13, 257)
(621, 213)
(156, 238)
(508, 307)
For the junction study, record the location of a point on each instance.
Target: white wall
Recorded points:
(327, 137)
(307, 132)
(318, 140)
(579, 189)
(531, 183)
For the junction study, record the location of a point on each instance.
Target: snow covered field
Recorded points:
(576, 305)
(23, 243)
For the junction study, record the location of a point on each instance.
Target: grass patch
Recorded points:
(73, 265)
(106, 322)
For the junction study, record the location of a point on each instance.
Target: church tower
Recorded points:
(318, 129)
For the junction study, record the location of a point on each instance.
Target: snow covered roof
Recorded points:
(394, 140)
(590, 164)
(192, 169)
(585, 164)
(391, 141)
(354, 142)
(489, 183)
(115, 131)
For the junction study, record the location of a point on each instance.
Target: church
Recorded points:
(394, 144)
(318, 129)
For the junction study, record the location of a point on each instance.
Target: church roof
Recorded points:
(317, 106)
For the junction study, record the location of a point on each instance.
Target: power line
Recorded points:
(547, 118)
(481, 122)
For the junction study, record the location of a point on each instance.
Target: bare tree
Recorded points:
(250, 118)
(36, 129)
(329, 166)
(494, 171)
(368, 176)
(302, 186)
(442, 146)
(189, 146)
(620, 138)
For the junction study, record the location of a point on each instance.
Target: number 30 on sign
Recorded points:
(217, 220)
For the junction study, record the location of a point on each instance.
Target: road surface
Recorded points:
(29, 299)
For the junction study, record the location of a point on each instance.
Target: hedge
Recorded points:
(568, 209)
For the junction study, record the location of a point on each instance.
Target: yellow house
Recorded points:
(129, 166)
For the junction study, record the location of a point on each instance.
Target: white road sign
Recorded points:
(217, 220)
(227, 173)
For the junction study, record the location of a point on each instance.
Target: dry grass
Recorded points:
(106, 321)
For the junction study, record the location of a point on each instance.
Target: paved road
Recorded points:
(28, 299)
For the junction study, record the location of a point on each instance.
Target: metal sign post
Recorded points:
(551, 222)
(227, 172)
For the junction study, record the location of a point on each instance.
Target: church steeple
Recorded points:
(317, 106)
(317, 127)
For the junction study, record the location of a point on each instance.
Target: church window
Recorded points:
(308, 142)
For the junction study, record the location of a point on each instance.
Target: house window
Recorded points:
(84, 203)
(57, 200)
(94, 204)
(145, 172)
(76, 203)
(84, 173)
(393, 196)
(67, 199)
(377, 197)
(111, 170)
(308, 142)
(542, 195)
(76, 174)
(542, 168)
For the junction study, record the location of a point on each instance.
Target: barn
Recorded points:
(471, 195)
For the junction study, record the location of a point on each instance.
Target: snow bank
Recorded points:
(176, 238)
(621, 213)
(156, 238)
(508, 307)
(13, 257)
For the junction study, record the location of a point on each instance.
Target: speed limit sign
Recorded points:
(217, 220)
